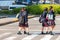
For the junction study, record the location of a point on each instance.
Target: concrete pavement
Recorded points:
(11, 20)
(9, 31)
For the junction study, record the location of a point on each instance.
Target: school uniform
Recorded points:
(22, 23)
(44, 22)
(50, 21)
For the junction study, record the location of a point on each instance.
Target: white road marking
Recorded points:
(40, 30)
(29, 37)
(10, 38)
(37, 18)
(58, 38)
(4, 34)
(7, 29)
(57, 18)
(47, 37)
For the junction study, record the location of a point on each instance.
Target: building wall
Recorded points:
(57, 1)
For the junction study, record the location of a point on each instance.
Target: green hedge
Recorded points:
(5, 12)
(34, 9)
(14, 11)
(38, 9)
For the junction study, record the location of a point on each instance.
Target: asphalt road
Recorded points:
(9, 31)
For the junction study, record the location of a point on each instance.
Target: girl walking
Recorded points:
(23, 21)
(51, 19)
(44, 21)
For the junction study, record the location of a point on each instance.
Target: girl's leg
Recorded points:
(50, 27)
(20, 29)
(24, 29)
(46, 28)
(51, 30)
(43, 25)
(27, 30)
(53, 27)
(42, 32)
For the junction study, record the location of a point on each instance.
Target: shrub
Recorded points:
(5, 12)
(16, 10)
(34, 9)
(58, 10)
(38, 9)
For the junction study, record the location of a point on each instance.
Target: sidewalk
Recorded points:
(5, 21)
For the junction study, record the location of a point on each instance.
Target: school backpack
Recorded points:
(50, 16)
(21, 20)
(41, 19)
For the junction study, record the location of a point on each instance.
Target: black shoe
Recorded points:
(51, 33)
(42, 33)
(28, 33)
(47, 33)
(25, 32)
(19, 32)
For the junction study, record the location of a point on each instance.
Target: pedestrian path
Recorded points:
(37, 18)
(9, 32)
(5, 21)
(28, 37)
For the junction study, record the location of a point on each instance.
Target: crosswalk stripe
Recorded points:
(4, 34)
(58, 38)
(7, 29)
(37, 18)
(10, 38)
(47, 37)
(29, 37)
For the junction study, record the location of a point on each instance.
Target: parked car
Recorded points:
(47, 2)
(15, 6)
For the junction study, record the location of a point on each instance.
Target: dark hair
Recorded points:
(23, 8)
(46, 9)
(51, 7)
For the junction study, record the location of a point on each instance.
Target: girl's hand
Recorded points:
(26, 23)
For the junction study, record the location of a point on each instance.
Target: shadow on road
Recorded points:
(39, 33)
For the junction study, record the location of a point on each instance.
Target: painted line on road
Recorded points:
(47, 37)
(40, 30)
(10, 38)
(7, 29)
(58, 38)
(37, 18)
(4, 34)
(29, 30)
(29, 37)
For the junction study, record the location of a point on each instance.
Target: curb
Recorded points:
(2, 17)
(15, 20)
